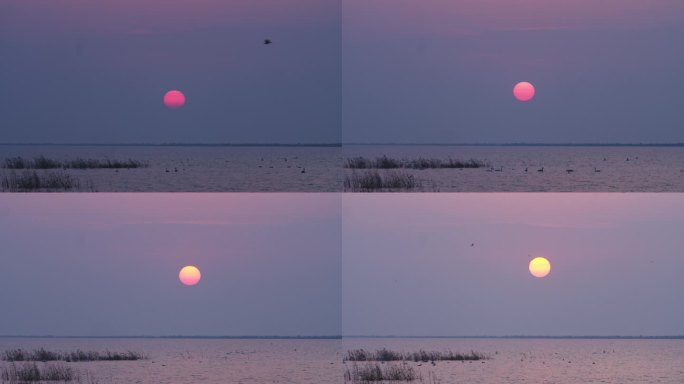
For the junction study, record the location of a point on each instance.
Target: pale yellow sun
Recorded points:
(189, 275)
(540, 267)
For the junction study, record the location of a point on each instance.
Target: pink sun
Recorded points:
(174, 99)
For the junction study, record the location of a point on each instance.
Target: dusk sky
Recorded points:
(440, 71)
(400, 71)
(107, 264)
(457, 264)
(76, 71)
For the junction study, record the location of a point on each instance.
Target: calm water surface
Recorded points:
(559, 361)
(320, 361)
(279, 169)
(183, 361)
(198, 168)
(620, 169)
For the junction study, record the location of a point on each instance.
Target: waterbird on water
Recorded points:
(267, 41)
(540, 169)
(569, 170)
(597, 170)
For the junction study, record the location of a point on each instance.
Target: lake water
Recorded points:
(197, 168)
(279, 169)
(250, 361)
(649, 169)
(532, 361)
(183, 361)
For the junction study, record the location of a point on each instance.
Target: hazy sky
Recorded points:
(79, 71)
(107, 264)
(409, 267)
(443, 71)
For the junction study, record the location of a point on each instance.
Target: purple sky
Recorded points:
(79, 71)
(409, 267)
(379, 264)
(392, 70)
(107, 264)
(442, 71)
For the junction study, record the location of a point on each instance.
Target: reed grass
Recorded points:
(371, 372)
(13, 355)
(419, 356)
(371, 181)
(385, 162)
(31, 372)
(425, 356)
(43, 162)
(29, 181)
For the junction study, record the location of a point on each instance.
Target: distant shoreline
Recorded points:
(515, 144)
(168, 145)
(176, 337)
(673, 145)
(675, 337)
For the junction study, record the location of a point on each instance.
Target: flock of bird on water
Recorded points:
(285, 159)
(541, 170)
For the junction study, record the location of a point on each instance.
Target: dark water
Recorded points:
(176, 361)
(183, 361)
(197, 168)
(540, 361)
(593, 169)
(319, 169)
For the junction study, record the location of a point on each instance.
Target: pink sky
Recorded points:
(473, 16)
(138, 17)
(457, 264)
(107, 264)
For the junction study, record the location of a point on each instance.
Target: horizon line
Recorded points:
(181, 144)
(626, 337)
(342, 337)
(341, 144)
(526, 144)
(311, 337)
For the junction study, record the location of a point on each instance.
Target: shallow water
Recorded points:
(279, 169)
(175, 361)
(182, 361)
(544, 360)
(198, 168)
(649, 169)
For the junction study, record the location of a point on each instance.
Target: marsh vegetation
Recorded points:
(374, 181)
(384, 365)
(373, 372)
(32, 372)
(419, 356)
(385, 162)
(32, 181)
(42, 162)
(19, 354)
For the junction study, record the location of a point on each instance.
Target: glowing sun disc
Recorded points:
(189, 275)
(540, 267)
(523, 91)
(174, 99)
